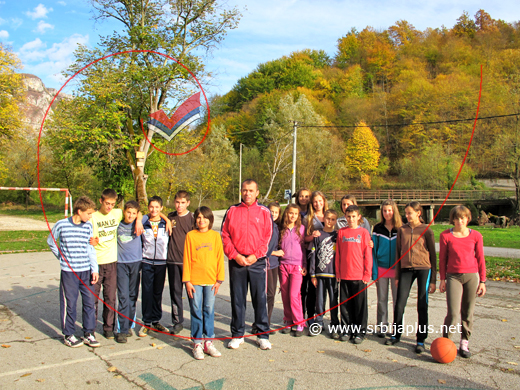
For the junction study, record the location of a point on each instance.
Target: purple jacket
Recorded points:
(292, 246)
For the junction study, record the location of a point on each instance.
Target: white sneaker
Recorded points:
(235, 343)
(210, 349)
(198, 352)
(90, 340)
(263, 343)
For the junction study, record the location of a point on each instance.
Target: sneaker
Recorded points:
(357, 340)
(334, 336)
(286, 330)
(464, 350)
(391, 341)
(177, 328)
(129, 333)
(344, 337)
(198, 352)
(419, 348)
(298, 332)
(121, 338)
(143, 332)
(210, 349)
(264, 343)
(381, 335)
(108, 334)
(90, 340)
(235, 343)
(158, 327)
(72, 341)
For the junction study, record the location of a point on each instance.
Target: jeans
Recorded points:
(202, 309)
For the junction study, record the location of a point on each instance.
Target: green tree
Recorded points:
(115, 94)
(362, 154)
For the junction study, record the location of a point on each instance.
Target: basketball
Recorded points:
(443, 350)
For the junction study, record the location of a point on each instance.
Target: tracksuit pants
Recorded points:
(70, 287)
(107, 280)
(354, 312)
(327, 286)
(406, 279)
(175, 282)
(290, 286)
(240, 277)
(152, 286)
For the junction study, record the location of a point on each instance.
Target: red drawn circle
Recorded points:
(272, 330)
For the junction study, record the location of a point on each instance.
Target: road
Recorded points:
(33, 355)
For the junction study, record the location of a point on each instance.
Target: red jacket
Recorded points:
(247, 230)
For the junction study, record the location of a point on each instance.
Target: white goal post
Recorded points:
(68, 197)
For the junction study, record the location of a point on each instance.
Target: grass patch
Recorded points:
(23, 241)
(34, 212)
(499, 268)
(497, 237)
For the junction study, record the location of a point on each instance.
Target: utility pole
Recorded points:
(240, 176)
(293, 184)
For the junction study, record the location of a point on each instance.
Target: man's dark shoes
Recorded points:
(121, 338)
(391, 341)
(419, 348)
(176, 329)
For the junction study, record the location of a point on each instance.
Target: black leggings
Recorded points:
(406, 279)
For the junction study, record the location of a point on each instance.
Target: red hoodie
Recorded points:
(247, 230)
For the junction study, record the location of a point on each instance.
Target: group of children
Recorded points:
(121, 250)
(312, 252)
(319, 255)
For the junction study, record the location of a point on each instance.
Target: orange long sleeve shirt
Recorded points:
(203, 262)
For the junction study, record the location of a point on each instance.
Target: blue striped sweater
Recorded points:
(74, 245)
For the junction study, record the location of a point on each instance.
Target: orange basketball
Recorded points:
(443, 350)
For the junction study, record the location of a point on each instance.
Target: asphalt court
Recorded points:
(33, 355)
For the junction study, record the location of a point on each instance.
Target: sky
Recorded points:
(45, 33)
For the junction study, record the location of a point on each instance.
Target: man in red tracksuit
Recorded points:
(246, 232)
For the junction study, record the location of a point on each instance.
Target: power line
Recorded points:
(420, 123)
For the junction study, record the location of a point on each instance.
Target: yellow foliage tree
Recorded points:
(362, 154)
(11, 93)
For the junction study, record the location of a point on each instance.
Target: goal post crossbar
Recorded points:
(68, 197)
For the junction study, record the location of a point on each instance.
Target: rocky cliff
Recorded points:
(37, 99)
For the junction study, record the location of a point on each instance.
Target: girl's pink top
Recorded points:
(461, 255)
(292, 246)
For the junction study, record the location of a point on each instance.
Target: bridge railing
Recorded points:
(422, 195)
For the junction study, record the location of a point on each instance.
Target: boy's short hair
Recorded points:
(329, 212)
(132, 204)
(108, 193)
(459, 212)
(183, 195)
(353, 208)
(206, 213)
(155, 198)
(83, 203)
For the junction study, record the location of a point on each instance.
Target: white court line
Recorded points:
(77, 361)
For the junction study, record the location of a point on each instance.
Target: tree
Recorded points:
(11, 93)
(116, 94)
(362, 154)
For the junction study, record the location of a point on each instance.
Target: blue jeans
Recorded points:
(202, 309)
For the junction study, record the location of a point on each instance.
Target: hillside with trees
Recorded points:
(389, 109)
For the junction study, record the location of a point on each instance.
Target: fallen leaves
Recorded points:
(441, 381)
(112, 369)
(321, 351)
(152, 344)
(6, 346)
(512, 363)
(28, 337)
(367, 350)
(504, 320)
(41, 380)
(24, 375)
